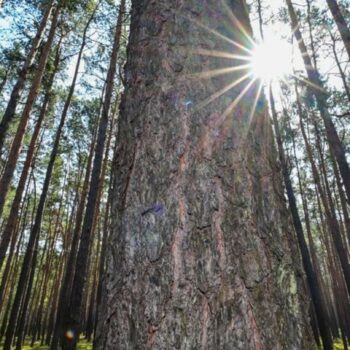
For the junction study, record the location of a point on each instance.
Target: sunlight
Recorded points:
(271, 60)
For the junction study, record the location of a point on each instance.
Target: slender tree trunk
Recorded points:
(341, 71)
(312, 42)
(35, 232)
(26, 301)
(48, 267)
(11, 221)
(4, 80)
(261, 22)
(15, 269)
(18, 139)
(341, 24)
(50, 317)
(68, 276)
(18, 87)
(92, 313)
(331, 219)
(316, 87)
(197, 208)
(106, 231)
(72, 318)
(313, 284)
(6, 271)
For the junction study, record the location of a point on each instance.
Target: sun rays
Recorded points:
(255, 65)
(271, 60)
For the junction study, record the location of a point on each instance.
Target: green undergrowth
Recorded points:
(83, 345)
(338, 345)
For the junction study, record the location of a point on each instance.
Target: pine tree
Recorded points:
(196, 208)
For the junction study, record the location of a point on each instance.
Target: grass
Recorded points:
(338, 345)
(83, 345)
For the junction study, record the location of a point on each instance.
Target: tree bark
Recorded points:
(197, 249)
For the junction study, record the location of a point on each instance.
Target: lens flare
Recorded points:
(69, 335)
(271, 60)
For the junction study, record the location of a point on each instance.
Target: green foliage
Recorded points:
(82, 345)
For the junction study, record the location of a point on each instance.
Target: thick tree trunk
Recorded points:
(18, 87)
(316, 87)
(341, 24)
(72, 318)
(198, 256)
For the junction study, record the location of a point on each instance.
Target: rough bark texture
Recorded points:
(200, 251)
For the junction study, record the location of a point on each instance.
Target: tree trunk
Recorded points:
(200, 252)
(341, 24)
(341, 71)
(35, 232)
(68, 276)
(8, 270)
(106, 231)
(16, 147)
(316, 87)
(72, 318)
(12, 219)
(26, 301)
(312, 281)
(49, 261)
(331, 218)
(18, 87)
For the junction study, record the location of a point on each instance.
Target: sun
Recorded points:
(271, 60)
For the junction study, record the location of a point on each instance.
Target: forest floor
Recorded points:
(338, 345)
(83, 345)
